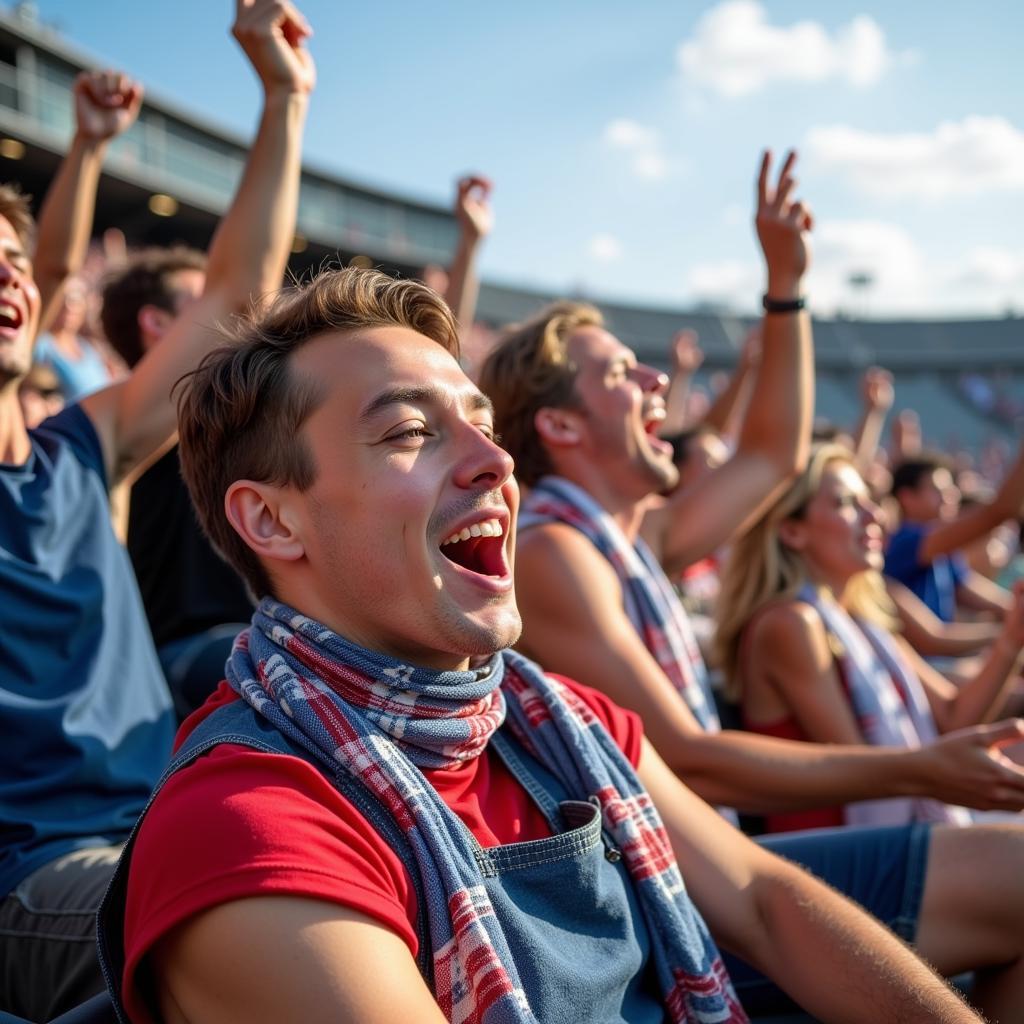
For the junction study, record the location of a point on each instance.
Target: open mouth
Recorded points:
(480, 548)
(10, 317)
(652, 423)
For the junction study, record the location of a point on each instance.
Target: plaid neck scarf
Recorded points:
(650, 602)
(889, 702)
(393, 717)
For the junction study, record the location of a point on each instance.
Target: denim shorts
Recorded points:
(882, 869)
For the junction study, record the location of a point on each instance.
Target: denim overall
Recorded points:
(566, 904)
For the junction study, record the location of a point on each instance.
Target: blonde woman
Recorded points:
(807, 640)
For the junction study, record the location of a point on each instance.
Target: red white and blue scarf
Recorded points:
(383, 721)
(889, 703)
(651, 604)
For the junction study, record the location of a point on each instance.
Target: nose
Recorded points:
(483, 462)
(650, 379)
(870, 512)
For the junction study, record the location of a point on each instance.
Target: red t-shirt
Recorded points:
(239, 823)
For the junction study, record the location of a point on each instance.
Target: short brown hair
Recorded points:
(240, 412)
(529, 370)
(146, 280)
(16, 207)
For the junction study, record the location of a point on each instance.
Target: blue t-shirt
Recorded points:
(934, 583)
(85, 715)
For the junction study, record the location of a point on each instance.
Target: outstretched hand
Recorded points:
(272, 33)
(472, 207)
(106, 104)
(782, 226)
(970, 769)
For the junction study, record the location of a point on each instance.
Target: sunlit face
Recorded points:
(839, 533)
(19, 305)
(622, 404)
(936, 496)
(408, 526)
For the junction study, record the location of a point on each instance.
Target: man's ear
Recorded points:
(263, 520)
(154, 323)
(793, 534)
(557, 427)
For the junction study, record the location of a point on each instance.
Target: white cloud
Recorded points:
(604, 248)
(734, 284)
(735, 51)
(904, 279)
(976, 155)
(642, 144)
(625, 134)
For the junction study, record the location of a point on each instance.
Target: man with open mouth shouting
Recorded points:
(383, 814)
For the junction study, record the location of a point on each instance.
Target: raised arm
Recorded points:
(249, 251)
(979, 519)
(475, 220)
(574, 623)
(728, 409)
(687, 357)
(106, 104)
(877, 395)
(775, 436)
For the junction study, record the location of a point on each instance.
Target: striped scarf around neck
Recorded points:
(889, 703)
(651, 604)
(383, 721)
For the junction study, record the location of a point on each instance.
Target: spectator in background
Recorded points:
(196, 604)
(806, 640)
(80, 365)
(84, 709)
(923, 554)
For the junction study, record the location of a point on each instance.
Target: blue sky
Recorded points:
(623, 140)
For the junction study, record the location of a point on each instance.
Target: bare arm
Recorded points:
(573, 621)
(248, 253)
(929, 635)
(981, 698)
(877, 395)
(978, 520)
(687, 357)
(728, 409)
(829, 955)
(981, 594)
(475, 220)
(776, 431)
(317, 962)
(106, 104)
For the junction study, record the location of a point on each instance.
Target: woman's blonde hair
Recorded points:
(761, 568)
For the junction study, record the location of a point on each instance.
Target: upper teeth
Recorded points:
(487, 528)
(8, 311)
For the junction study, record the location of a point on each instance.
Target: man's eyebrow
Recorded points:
(421, 394)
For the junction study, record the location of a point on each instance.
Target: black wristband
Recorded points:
(783, 305)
